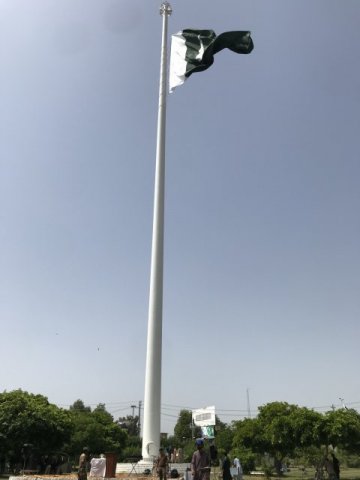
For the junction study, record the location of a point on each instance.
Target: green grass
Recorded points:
(350, 473)
(309, 474)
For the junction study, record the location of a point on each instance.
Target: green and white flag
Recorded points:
(194, 50)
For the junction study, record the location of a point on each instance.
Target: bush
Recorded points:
(268, 470)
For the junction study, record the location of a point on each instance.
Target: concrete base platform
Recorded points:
(139, 467)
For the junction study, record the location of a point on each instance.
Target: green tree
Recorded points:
(286, 427)
(131, 424)
(341, 428)
(26, 418)
(279, 430)
(224, 437)
(307, 426)
(248, 435)
(79, 406)
(96, 430)
(102, 415)
(184, 431)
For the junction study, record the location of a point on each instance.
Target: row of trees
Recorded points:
(280, 431)
(286, 431)
(30, 420)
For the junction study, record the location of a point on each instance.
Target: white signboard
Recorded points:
(204, 417)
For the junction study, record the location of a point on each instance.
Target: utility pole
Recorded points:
(133, 409)
(140, 403)
(248, 403)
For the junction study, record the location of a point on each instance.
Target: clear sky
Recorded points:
(262, 258)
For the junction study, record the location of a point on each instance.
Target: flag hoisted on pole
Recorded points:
(193, 51)
(152, 398)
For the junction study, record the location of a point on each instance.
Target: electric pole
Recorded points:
(248, 403)
(140, 403)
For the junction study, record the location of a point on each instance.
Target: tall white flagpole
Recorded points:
(152, 398)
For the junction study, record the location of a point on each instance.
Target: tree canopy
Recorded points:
(284, 430)
(96, 430)
(131, 424)
(183, 430)
(341, 428)
(26, 418)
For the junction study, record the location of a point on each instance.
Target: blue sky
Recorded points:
(262, 258)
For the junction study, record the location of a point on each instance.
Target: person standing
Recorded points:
(162, 464)
(179, 455)
(238, 467)
(83, 464)
(200, 462)
(329, 467)
(225, 466)
(336, 465)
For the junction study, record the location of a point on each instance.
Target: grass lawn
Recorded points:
(309, 474)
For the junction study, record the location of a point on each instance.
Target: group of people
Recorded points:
(200, 465)
(226, 468)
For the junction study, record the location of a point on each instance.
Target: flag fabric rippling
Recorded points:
(193, 51)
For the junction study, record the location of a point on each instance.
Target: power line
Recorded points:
(175, 409)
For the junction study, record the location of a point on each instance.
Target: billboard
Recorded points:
(204, 417)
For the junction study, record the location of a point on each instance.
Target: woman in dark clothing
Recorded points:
(226, 474)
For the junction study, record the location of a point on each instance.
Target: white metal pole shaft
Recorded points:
(152, 398)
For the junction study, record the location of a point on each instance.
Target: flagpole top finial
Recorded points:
(165, 9)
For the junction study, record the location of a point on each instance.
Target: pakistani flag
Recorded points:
(194, 50)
